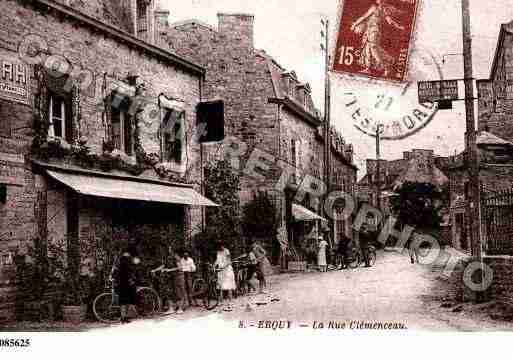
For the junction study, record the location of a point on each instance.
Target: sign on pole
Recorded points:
(437, 91)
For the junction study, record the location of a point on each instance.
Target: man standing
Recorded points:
(365, 240)
(260, 253)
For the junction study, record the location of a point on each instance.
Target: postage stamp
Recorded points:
(374, 38)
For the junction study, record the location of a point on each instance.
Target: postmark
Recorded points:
(374, 38)
(394, 107)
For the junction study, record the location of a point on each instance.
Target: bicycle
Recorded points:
(106, 306)
(207, 289)
(240, 270)
(355, 258)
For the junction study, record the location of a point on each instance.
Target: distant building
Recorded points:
(418, 165)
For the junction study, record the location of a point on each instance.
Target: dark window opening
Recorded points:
(210, 121)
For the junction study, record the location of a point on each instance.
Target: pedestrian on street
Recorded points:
(225, 274)
(165, 281)
(189, 268)
(412, 249)
(321, 254)
(365, 240)
(254, 269)
(124, 282)
(342, 250)
(178, 282)
(263, 265)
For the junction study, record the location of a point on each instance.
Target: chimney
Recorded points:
(161, 23)
(303, 91)
(237, 28)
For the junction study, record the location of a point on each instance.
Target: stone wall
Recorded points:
(85, 49)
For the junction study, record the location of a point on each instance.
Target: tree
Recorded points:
(419, 205)
(260, 217)
(223, 223)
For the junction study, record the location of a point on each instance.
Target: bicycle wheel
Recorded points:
(147, 302)
(105, 310)
(372, 258)
(211, 299)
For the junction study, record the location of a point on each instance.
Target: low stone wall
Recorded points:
(502, 284)
(7, 293)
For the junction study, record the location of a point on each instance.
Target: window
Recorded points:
(60, 118)
(210, 121)
(142, 18)
(173, 135)
(121, 131)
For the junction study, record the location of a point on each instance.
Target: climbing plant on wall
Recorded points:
(223, 223)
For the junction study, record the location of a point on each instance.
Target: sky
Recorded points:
(290, 31)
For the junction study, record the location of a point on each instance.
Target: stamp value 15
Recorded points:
(374, 38)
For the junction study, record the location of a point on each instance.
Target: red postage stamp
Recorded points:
(374, 38)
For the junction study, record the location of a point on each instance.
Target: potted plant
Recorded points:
(74, 307)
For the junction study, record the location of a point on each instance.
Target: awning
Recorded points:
(300, 214)
(129, 189)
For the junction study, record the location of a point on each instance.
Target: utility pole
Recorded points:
(327, 121)
(378, 166)
(327, 106)
(474, 203)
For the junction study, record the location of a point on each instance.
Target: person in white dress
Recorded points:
(321, 255)
(225, 274)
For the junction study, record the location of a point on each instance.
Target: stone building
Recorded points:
(271, 112)
(96, 131)
(418, 165)
(495, 146)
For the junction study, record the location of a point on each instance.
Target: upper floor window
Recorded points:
(173, 135)
(59, 114)
(121, 130)
(210, 121)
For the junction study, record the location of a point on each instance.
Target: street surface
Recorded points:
(393, 291)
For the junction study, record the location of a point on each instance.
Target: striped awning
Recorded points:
(108, 187)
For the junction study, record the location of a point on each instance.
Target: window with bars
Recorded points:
(142, 18)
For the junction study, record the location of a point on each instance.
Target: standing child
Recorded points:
(189, 268)
(321, 255)
(225, 274)
(252, 270)
(178, 282)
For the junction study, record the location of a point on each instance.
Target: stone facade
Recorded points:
(37, 205)
(266, 107)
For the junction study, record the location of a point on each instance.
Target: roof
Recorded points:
(417, 173)
(505, 28)
(118, 34)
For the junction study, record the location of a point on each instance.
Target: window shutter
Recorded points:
(69, 103)
(128, 134)
(108, 118)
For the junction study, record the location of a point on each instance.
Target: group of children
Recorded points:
(176, 289)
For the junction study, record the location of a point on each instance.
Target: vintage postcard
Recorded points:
(222, 175)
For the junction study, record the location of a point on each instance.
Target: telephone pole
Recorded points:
(327, 106)
(473, 204)
(378, 166)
